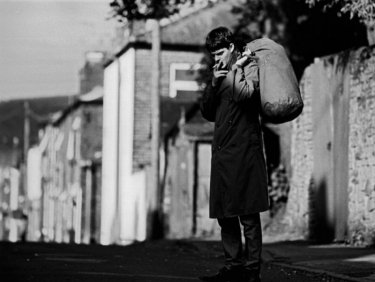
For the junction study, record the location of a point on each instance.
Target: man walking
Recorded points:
(238, 189)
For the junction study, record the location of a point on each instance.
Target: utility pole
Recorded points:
(26, 146)
(155, 113)
(26, 130)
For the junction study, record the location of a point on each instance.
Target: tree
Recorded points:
(363, 10)
(154, 10)
(304, 30)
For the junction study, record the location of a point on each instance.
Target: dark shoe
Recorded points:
(224, 275)
(250, 276)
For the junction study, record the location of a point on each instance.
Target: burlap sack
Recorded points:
(279, 90)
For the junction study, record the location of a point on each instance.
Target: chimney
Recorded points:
(92, 73)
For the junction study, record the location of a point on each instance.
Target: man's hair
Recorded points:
(219, 38)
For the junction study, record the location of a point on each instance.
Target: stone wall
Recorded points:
(346, 81)
(361, 217)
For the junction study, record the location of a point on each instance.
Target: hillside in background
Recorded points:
(13, 116)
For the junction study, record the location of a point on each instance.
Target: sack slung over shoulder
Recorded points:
(280, 95)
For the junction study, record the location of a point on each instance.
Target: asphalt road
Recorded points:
(156, 261)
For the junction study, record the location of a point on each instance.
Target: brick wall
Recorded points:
(142, 110)
(142, 101)
(358, 78)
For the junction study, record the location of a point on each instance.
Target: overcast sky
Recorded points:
(42, 44)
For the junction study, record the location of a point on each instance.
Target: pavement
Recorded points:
(179, 260)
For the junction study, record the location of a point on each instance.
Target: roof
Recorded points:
(95, 96)
(197, 127)
(171, 112)
(192, 29)
(187, 32)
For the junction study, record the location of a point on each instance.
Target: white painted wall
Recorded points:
(14, 176)
(134, 209)
(110, 154)
(131, 186)
(124, 209)
(34, 174)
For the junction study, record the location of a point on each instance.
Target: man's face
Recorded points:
(223, 56)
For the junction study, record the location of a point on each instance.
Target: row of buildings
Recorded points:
(85, 178)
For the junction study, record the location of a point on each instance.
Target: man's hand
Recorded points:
(246, 57)
(218, 74)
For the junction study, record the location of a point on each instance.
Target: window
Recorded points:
(183, 81)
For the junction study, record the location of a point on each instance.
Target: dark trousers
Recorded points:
(235, 256)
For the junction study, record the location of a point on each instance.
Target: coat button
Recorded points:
(218, 148)
(230, 122)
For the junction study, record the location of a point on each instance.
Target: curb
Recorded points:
(320, 272)
(269, 258)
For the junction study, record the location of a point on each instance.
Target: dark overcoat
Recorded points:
(238, 171)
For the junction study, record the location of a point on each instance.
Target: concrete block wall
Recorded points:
(361, 217)
(142, 100)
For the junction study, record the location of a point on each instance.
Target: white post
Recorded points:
(14, 176)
